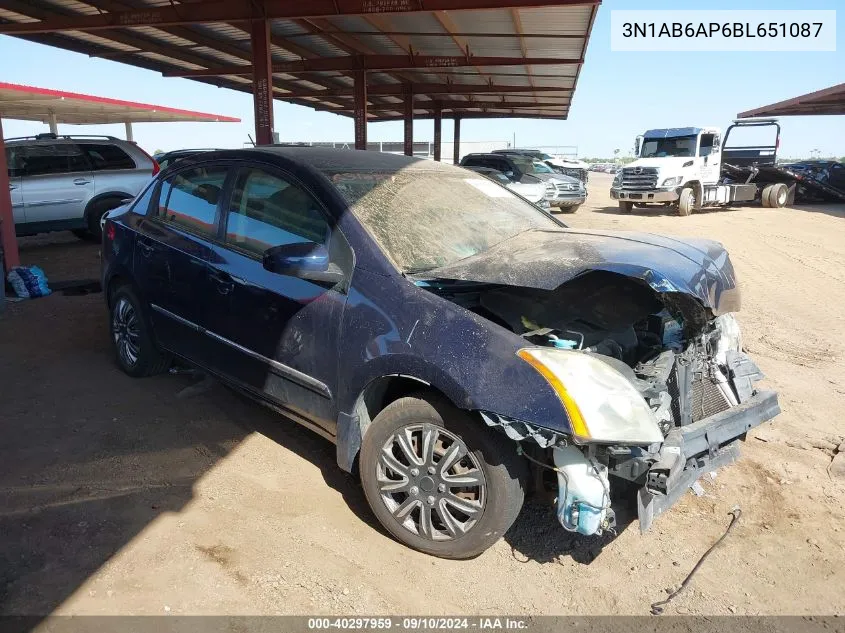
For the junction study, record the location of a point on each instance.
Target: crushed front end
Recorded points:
(636, 336)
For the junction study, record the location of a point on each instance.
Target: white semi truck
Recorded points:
(691, 168)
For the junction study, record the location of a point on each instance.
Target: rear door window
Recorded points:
(105, 156)
(268, 210)
(62, 158)
(190, 198)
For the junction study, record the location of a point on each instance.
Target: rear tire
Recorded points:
(135, 348)
(418, 498)
(625, 207)
(95, 214)
(778, 195)
(686, 202)
(571, 209)
(764, 196)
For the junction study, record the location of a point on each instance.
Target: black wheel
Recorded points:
(571, 209)
(764, 196)
(686, 203)
(82, 234)
(438, 480)
(625, 206)
(95, 214)
(135, 348)
(778, 194)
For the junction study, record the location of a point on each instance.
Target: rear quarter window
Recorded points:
(104, 156)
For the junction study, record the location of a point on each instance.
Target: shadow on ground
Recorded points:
(536, 535)
(91, 457)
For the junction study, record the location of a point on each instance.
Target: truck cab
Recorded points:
(696, 167)
(668, 160)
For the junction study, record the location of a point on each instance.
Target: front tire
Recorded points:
(686, 202)
(438, 480)
(135, 348)
(625, 207)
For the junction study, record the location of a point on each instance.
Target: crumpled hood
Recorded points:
(545, 259)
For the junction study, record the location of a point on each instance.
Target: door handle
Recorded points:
(225, 283)
(81, 181)
(146, 249)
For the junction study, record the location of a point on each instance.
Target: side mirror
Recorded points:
(509, 174)
(637, 142)
(305, 260)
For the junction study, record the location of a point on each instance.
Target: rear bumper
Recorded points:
(652, 195)
(700, 447)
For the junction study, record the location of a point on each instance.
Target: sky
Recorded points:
(619, 95)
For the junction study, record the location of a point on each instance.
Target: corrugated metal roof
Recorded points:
(461, 83)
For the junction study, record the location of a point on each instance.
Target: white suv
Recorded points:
(69, 182)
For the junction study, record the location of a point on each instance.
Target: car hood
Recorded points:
(532, 190)
(570, 180)
(546, 259)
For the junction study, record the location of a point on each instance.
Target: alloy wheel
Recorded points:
(126, 332)
(430, 482)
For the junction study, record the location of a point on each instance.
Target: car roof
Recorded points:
(323, 159)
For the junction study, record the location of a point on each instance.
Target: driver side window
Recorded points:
(268, 211)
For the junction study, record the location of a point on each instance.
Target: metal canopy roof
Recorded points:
(828, 101)
(39, 104)
(473, 58)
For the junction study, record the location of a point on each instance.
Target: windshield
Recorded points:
(662, 147)
(529, 165)
(428, 219)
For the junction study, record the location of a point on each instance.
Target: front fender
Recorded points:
(470, 359)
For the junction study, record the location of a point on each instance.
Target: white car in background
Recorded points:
(537, 192)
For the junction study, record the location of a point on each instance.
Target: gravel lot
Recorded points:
(137, 496)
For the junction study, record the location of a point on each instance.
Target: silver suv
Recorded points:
(69, 182)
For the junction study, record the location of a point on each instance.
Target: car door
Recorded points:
(171, 249)
(277, 334)
(15, 190)
(56, 184)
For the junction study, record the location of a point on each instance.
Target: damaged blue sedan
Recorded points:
(461, 347)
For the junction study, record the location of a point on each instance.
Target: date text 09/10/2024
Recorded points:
(419, 623)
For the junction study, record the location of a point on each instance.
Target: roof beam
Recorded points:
(427, 89)
(228, 11)
(377, 63)
(514, 114)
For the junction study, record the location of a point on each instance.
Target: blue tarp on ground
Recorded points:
(672, 132)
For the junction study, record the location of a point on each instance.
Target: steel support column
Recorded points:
(262, 82)
(409, 119)
(54, 125)
(7, 217)
(129, 135)
(438, 120)
(360, 109)
(456, 145)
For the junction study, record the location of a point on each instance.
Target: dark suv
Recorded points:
(441, 331)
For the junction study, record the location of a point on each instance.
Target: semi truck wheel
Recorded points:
(686, 203)
(764, 196)
(777, 195)
(625, 207)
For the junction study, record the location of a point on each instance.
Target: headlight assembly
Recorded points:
(671, 182)
(602, 405)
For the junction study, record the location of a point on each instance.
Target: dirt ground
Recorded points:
(166, 495)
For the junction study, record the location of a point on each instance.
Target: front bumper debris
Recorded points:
(694, 449)
(650, 195)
